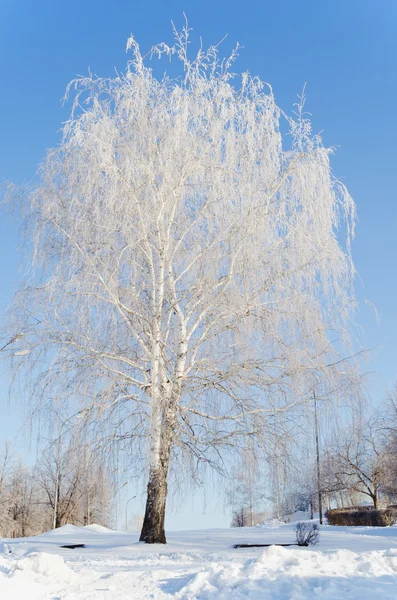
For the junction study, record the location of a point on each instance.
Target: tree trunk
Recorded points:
(153, 525)
(153, 531)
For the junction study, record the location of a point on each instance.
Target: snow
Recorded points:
(64, 530)
(98, 528)
(352, 563)
(299, 515)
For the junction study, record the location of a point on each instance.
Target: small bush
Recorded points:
(389, 516)
(364, 516)
(306, 533)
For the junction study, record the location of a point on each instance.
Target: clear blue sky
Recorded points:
(346, 51)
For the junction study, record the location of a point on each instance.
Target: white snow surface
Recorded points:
(351, 563)
(98, 528)
(64, 530)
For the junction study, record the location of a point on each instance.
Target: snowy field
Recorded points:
(349, 563)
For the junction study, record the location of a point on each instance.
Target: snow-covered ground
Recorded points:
(350, 563)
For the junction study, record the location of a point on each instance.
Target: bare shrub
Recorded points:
(307, 534)
(388, 516)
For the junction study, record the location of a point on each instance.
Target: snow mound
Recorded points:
(273, 522)
(98, 528)
(298, 515)
(299, 574)
(65, 530)
(41, 563)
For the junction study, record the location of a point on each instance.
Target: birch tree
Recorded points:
(188, 279)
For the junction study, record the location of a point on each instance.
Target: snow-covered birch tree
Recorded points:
(188, 279)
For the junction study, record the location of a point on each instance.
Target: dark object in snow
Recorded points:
(261, 545)
(306, 533)
(4, 549)
(73, 546)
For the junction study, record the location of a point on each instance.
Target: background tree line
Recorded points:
(358, 465)
(68, 484)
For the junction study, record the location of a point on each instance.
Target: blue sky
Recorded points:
(346, 52)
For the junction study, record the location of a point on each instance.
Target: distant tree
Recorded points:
(97, 493)
(21, 501)
(246, 487)
(6, 467)
(387, 433)
(357, 463)
(303, 495)
(74, 482)
(59, 474)
(188, 267)
(239, 518)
